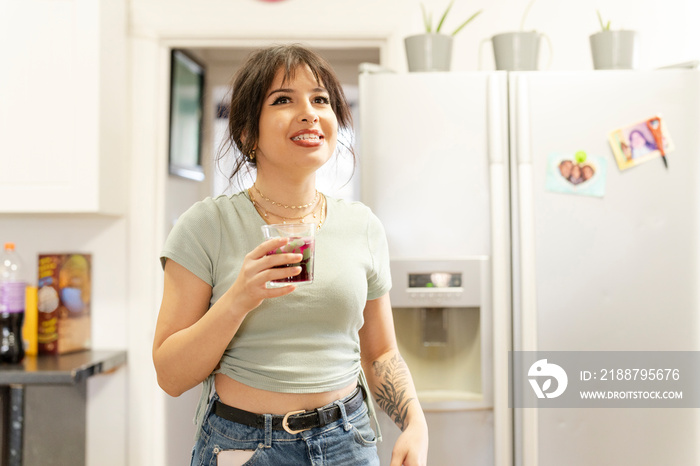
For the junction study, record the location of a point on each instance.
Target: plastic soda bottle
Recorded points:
(12, 296)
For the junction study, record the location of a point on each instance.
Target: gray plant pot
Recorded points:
(614, 50)
(516, 51)
(429, 52)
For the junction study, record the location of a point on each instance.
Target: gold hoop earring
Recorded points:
(251, 156)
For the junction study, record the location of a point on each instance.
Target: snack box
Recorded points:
(63, 301)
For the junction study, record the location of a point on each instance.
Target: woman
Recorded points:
(286, 364)
(640, 145)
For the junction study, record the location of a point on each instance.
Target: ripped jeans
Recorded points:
(349, 441)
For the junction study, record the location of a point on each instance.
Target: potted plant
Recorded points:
(613, 50)
(518, 51)
(432, 50)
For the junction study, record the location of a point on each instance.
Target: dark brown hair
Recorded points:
(250, 86)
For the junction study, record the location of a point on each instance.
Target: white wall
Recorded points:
(668, 31)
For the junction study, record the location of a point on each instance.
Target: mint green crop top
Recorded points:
(304, 342)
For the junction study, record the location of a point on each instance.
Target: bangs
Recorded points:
(290, 66)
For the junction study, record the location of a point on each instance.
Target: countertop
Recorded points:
(66, 369)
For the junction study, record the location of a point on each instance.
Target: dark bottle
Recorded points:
(12, 296)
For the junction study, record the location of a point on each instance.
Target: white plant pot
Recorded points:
(614, 50)
(429, 52)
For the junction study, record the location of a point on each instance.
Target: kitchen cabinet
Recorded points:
(63, 138)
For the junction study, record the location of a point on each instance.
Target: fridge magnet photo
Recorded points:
(640, 142)
(578, 173)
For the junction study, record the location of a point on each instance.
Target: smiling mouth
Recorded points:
(307, 137)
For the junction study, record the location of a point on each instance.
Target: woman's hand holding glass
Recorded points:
(260, 267)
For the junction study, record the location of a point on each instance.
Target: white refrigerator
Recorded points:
(465, 164)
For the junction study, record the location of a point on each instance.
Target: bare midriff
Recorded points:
(255, 400)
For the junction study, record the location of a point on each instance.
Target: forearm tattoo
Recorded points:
(390, 390)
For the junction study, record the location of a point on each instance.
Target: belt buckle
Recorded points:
(285, 422)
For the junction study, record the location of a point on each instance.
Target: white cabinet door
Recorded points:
(63, 106)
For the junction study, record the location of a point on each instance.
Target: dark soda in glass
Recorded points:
(298, 245)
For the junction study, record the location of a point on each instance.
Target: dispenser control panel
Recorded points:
(438, 283)
(435, 280)
(435, 285)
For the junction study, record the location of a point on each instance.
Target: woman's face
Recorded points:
(298, 129)
(637, 140)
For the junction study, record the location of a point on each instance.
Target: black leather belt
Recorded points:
(294, 421)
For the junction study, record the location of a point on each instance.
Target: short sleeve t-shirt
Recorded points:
(307, 341)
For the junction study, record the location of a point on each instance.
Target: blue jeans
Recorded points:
(348, 441)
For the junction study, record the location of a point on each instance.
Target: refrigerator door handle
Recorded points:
(500, 270)
(495, 107)
(523, 146)
(526, 248)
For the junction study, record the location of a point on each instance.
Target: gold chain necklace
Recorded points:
(320, 214)
(310, 203)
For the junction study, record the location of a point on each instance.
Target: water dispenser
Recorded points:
(443, 328)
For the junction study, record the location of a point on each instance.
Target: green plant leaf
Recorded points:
(426, 19)
(603, 26)
(525, 13)
(444, 15)
(466, 22)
